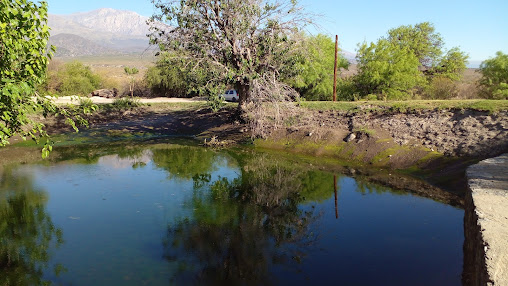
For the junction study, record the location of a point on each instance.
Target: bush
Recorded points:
(494, 79)
(110, 82)
(72, 78)
(441, 88)
(126, 103)
(346, 90)
(166, 80)
(314, 78)
(139, 89)
(86, 105)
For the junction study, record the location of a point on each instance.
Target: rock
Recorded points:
(106, 93)
(350, 137)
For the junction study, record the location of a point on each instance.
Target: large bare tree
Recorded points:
(248, 44)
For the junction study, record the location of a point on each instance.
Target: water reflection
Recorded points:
(27, 233)
(153, 213)
(240, 228)
(184, 162)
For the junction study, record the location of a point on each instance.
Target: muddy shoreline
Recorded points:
(434, 145)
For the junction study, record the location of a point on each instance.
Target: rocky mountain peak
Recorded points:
(112, 21)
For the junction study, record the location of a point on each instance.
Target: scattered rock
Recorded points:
(106, 93)
(350, 137)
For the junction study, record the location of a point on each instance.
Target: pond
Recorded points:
(177, 214)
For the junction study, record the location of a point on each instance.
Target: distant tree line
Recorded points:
(410, 62)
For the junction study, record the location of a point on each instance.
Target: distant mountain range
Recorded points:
(99, 32)
(105, 32)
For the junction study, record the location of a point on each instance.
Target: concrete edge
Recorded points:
(486, 223)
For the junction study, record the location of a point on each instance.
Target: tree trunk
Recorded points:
(243, 92)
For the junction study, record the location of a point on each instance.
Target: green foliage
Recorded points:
(131, 72)
(452, 65)
(77, 79)
(387, 69)
(170, 77)
(216, 102)
(235, 43)
(407, 61)
(380, 106)
(126, 103)
(185, 162)
(86, 105)
(315, 78)
(441, 87)
(421, 40)
(495, 76)
(346, 89)
(23, 62)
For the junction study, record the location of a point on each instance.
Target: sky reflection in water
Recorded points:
(182, 215)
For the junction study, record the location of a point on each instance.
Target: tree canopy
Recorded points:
(406, 61)
(314, 79)
(495, 76)
(421, 39)
(387, 69)
(23, 60)
(243, 43)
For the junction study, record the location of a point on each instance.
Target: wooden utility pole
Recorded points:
(335, 68)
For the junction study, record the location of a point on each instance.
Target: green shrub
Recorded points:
(86, 105)
(126, 103)
(346, 90)
(441, 88)
(167, 80)
(73, 78)
(371, 97)
(314, 78)
(494, 79)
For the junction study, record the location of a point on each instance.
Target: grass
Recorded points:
(126, 103)
(365, 130)
(491, 106)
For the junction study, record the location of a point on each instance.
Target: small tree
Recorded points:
(131, 72)
(77, 79)
(389, 67)
(427, 45)
(248, 44)
(386, 69)
(315, 69)
(495, 76)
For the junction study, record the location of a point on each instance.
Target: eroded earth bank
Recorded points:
(435, 145)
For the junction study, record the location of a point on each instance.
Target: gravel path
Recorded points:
(97, 99)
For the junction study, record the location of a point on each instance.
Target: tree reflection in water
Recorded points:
(27, 232)
(240, 228)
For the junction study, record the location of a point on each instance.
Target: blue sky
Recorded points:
(478, 27)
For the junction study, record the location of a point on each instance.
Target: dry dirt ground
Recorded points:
(101, 100)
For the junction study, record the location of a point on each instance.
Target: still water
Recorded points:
(171, 214)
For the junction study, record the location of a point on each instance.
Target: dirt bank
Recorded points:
(436, 145)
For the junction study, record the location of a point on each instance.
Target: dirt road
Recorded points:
(97, 99)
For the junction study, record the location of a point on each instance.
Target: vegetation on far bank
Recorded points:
(402, 106)
(259, 48)
(491, 106)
